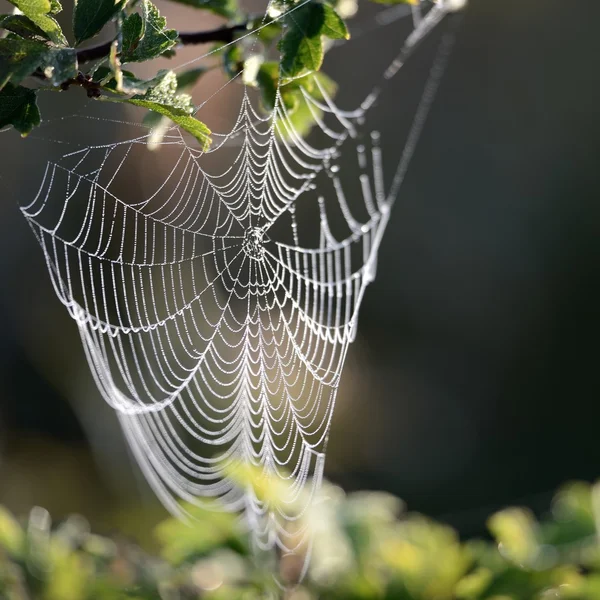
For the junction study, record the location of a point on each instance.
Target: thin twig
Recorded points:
(222, 34)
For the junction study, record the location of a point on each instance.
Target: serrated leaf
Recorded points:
(159, 124)
(19, 58)
(40, 11)
(164, 89)
(179, 116)
(22, 26)
(223, 8)
(18, 108)
(90, 16)
(302, 45)
(145, 36)
(131, 32)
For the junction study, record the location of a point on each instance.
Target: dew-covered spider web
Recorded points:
(216, 308)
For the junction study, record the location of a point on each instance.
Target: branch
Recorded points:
(222, 34)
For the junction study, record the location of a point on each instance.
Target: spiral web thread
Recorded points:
(211, 326)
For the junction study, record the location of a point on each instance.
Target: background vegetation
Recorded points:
(366, 547)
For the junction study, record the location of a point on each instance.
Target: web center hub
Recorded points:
(254, 243)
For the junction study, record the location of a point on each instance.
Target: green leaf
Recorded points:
(29, 7)
(11, 533)
(90, 16)
(184, 544)
(18, 108)
(224, 8)
(159, 124)
(19, 58)
(179, 116)
(40, 11)
(334, 27)
(163, 89)
(132, 32)
(302, 45)
(22, 26)
(145, 36)
(163, 98)
(59, 65)
(517, 531)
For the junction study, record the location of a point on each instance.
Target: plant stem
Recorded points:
(221, 34)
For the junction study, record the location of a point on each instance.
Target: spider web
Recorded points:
(216, 310)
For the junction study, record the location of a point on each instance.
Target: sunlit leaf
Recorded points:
(302, 45)
(22, 26)
(11, 533)
(516, 531)
(146, 36)
(179, 116)
(40, 11)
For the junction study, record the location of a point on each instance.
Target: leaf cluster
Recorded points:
(36, 55)
(365, 547)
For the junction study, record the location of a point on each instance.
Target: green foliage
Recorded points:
(34, 49)
(18, 58)
(59, 64)
(302, 45)
(146, 36)
(365, 547)
(18, 108)
(179, 116)
(40, 13)
(90, 16)
(23, 27)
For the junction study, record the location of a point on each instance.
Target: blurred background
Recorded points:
(473, 382)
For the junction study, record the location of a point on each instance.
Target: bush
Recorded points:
(365, 547)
